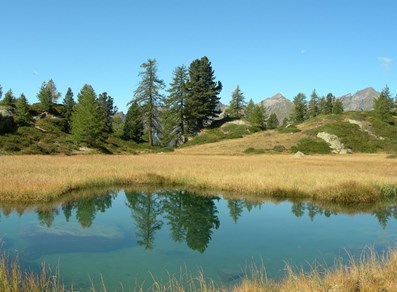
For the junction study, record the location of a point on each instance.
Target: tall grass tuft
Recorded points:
(14, 279)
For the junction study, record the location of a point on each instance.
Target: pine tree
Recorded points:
(87, 122)
(272, 122)
(313, 107)
(258, 117)
(9, 98)
(48, 95)
(249, 109)
(133, 124)
(337, 107)
(329, 100)
(203, 94)
(107, 109)
(237, 104)
(149, 98)
(173, 118)
(299, 113)
(22, 115)
(68, 103)
(383, 105)
(1, 91)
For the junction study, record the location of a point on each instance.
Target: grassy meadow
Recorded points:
(344, 178)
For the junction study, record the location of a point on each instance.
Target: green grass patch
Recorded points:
(252, 150)
(228, 131)
(311, 146)
(287, 130)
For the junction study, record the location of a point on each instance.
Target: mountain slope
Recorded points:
(358, 131)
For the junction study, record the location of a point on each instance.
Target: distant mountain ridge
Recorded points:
(362, 100)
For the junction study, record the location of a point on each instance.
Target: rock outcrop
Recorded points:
(7, 123)
(334, 143)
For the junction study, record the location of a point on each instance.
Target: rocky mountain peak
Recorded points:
(362, 100)
(279, 105)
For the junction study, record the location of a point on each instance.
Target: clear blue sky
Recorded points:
(266, 47)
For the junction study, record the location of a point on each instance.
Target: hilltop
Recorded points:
(357, 131)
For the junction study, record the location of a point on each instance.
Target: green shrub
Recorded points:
(279, 148)
(252, 150)
(290, 129)
(311, 146)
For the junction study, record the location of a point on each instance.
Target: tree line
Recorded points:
(168, 117)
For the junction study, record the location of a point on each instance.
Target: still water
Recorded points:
(130, 237)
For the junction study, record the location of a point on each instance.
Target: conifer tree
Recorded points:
(133, 124)
(107, 109)
(22, 115)
(87, 122)
(173, 118)
(383, 105)
(272, 121)
(237, 104)
(313, 107)
(258, 117)
(300, 110)
(1, 92)
(48, 95)
(249, 109)
(148, 96)
(337, 107)
(9, 98)
(329, 100)
(203, 94)
(68, 103)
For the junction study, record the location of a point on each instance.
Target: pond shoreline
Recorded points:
(349, 179)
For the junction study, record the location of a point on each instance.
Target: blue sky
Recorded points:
(266, 47)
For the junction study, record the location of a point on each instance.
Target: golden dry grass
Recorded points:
(330, 177)
(261, 140)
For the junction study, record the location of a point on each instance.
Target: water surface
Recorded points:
(129, 237)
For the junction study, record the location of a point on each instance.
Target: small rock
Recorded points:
(299, 155)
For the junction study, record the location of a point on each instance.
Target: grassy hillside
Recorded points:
(47, 134)
(358, 131)
(364, 133)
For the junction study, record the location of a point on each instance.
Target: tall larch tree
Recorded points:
(249, 108)
(87, 122)
(133, 124)
(9, 98)
(337, 107)
(237, 104)
(22, 115)
(272, 121)
(329, 101)
(68, 106)
(203, 94)
(383, 105)
(313, 106)
(108, 110)
(149, 97)
(173, 117)
(299, 112)
(48, 95)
